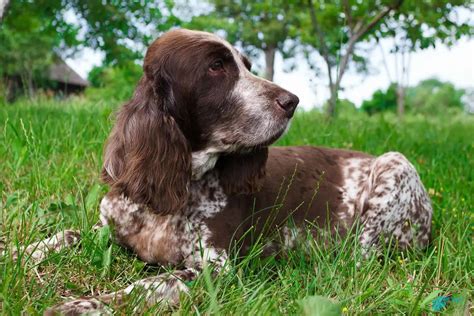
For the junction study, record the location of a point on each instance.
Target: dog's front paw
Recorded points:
(38, 251)
(82, 306)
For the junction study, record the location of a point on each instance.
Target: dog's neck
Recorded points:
(203, 161)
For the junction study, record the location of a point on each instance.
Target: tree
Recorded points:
(115, 82)
(258, 26)
(122, 28)
(33, 33)
(433, 96)
(418, 25)
(335, 29)
(344, 108)
(335, 34)
(430, 96)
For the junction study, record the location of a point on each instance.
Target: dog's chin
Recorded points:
(278, 133)
(272, 138)
(247, 143)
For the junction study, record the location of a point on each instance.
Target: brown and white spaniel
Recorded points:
(191, 173)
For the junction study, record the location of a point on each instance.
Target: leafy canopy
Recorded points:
(33, 33)
(255, 25)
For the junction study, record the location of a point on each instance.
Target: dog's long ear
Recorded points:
(242, 173)
(147, 158)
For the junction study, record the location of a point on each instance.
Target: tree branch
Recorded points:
(364, 29)
(347, 12)
(358, 33)
(320, 35)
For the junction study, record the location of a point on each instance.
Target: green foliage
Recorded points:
(34, 33)
(430, 97)
(113, 82)
(51, 158)
(345, 108)
(435, 97)
(381, 101)
(254, 23)
(427, 23)
(335, 29)
(118, 27)
(30, 35)
(257, 26)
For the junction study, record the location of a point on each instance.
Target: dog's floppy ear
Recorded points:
(242, 173)
(147, 158)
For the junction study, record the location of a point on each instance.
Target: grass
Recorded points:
(51, 156)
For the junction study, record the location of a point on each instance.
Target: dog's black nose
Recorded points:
(288, 102)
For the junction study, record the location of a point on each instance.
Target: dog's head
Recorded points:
(197, 104)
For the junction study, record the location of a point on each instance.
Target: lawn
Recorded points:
(50, 156)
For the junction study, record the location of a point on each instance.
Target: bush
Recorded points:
(344, 108)
(381, 101)
(113, 82)
(430, 96)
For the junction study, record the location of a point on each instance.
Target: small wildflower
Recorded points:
(400, 260)
(433, 192)
(345, 310)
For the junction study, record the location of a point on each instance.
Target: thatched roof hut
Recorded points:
(65, 78)
(58, 79)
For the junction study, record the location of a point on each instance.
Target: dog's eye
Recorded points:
(217, 65)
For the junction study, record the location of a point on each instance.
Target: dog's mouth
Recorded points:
(273, 138)
(249, 138)
(269, 140)
(278, 133)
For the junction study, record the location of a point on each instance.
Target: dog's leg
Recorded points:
(397, 206)
(164, 288)
(38, 251)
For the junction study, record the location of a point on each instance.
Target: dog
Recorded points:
(191, 172)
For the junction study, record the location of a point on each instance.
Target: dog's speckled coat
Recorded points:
(191, 173)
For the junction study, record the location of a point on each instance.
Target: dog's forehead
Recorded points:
(213, 38)
(180, 39)
(208, 37)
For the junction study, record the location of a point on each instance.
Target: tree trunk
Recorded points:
(400, 100)
(27, 83)
(357, 30)
(269, 62)
(331, 110)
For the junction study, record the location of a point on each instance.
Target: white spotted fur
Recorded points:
(381, 192)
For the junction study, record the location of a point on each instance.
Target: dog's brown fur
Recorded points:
(190, 171)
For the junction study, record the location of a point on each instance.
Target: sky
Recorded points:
(454, 64)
